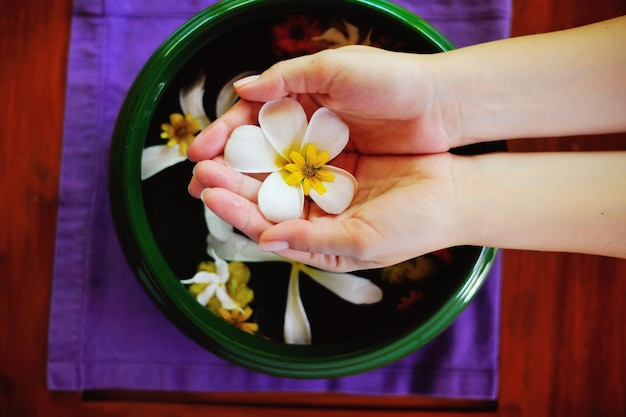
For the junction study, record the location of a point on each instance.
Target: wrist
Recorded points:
(543, 201)
(464, 228)
(457, 102)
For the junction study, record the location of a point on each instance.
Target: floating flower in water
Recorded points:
(239, 319)
(337, 38)
(215, 285)
(180, 131)
(295, 153)
(236, 287)
(295, 35)
(411, 270)
(182, 128)
(407, 302)
(223, 240)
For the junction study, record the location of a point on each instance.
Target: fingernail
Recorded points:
(203, 193)
(246, 80)
(273, 246)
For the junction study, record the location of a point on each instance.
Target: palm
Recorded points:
(391, 188)
(368, 234)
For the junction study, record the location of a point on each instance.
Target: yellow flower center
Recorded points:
(308, 170)
(181, 130)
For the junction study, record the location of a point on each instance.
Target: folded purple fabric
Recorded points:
(104, 330)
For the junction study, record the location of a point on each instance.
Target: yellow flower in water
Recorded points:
(412, 270)
(407, 302)
(239, 319)
(308, 170)
(181, 130)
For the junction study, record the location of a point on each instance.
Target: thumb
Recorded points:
(260, 88)
(302, 75)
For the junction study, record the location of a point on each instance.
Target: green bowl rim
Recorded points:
(155, 275)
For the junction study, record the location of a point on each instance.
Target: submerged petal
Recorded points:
(191, 100)
(283, 122)
(247, 150)
(227, 96)
(279, 201)
(224, 242)
(217, 227)
(156, 158)
(350, 287)
(327, 131)
(297, 329)
(241, 248)
(339, 193)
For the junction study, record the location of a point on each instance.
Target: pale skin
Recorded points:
(406, 111)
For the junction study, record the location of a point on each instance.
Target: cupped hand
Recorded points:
(390, 100)
(405, 206)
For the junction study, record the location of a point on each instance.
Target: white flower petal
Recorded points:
(278, 201)
(353, 33)
(201, 277)
(350, 287)
(333, 35)
(297, 329)
(156, 158)
(191, 100)
(217, 227)
(205, 296)
(327, 131)
(240, 248)
(227, 96)
(247, 150)
(225, 299)
(339, 193)
(222, 268)
(283, 122)
(225, 243)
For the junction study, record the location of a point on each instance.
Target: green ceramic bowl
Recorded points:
(164, 231)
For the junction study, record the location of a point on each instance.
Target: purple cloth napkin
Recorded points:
(104, 330)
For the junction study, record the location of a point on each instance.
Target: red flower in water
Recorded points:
(295, 36)
(407, 302)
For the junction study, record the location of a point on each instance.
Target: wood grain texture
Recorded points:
(563, 315)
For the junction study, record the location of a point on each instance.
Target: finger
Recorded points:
(240, 212)
(195, 188)
(297, 241)
(211, 141)
(346, 238)
(212, 174)
(325, 262)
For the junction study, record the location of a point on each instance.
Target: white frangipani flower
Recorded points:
(159, 157)
(295, 153)
(232, 246)
(216, 284)
(227, 96)
(337, 38)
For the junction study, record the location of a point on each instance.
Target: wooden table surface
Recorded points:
(563, 315)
